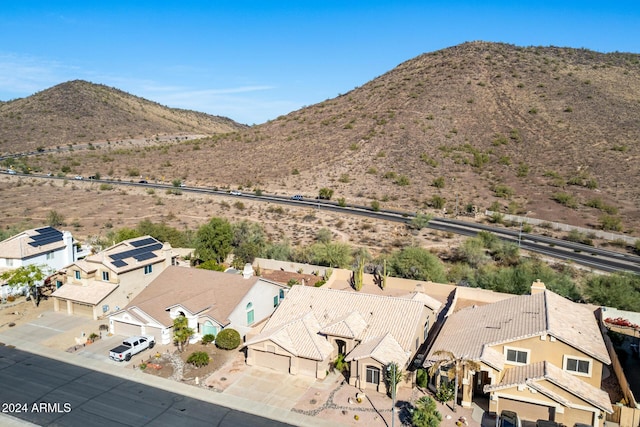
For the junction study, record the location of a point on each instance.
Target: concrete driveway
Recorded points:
(270, 387)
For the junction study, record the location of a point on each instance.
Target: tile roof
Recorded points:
(467, 333)
(91, 293)
(18, 247)
(365, 317)
(535, 375)
(384, 349)
(195, 289)
(131, 254)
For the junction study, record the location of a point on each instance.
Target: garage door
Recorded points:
(307, 367)
(527, 411)
(82, 309)
(274, 361)
(156, 332)
(126, 329)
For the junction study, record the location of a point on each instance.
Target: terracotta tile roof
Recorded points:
(467, 333)
(344, 312)
(18, 247)
(301, 338)
(92, 293)
(195, 289)
(536, 375)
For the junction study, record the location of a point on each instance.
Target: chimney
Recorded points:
(247, 271)
(537, 287)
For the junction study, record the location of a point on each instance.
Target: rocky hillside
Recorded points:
(83, 112)
(545, 130)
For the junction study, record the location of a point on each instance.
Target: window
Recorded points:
(148, 269)
(281, 293)
(50, 255)
(10, 263)
(77, 272)
(577, 366)
(105, 276)
(250, 318)
(276, 301)
(58, 284)
(517, 356)
(426, 330)
(373, 375)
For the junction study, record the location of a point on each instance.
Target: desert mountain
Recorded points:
(546, 130)
(82, 112)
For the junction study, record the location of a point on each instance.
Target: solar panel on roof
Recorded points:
(45, 229)
(45, 241)
(135, 252)
(144, 256)
(119, 263)
(143, 242)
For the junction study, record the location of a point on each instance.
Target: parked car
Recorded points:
(509, 419)
(78, 177)
(131, 346)
(143, 181)
(235, 193)
(296, 197)
(11, 172)
(547, 423)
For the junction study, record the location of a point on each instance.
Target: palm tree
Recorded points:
(460, 366)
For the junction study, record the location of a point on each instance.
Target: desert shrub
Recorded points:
(228, 339)
(402, 180)
(208, 339)
(375, 205)
(438, 182)
(565, 199)
(437, 202)
(445, 392)
(421, 378)
(198, 359)
(610, 223)
(503, 191)
(523, 170)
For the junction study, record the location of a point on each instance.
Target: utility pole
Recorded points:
(392, 370)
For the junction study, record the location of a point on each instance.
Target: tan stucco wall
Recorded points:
(553, 351)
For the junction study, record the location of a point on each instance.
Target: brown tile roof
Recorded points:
(92, 293)
(535, 375)
(344, 312)
(195, 289)
(469, 332)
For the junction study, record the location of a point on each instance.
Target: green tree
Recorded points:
(280, 251)
(331, 254)
(249, 242)
(393, 377)
(425, 413)
(117, 236)
(420, 221)
(324, 235)
(619, 290)
(55, 219)
(30, 276)
(417, 264)
(181, 332)
(473, 252)
(325, 193)
(213, 240)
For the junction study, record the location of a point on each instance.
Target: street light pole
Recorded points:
(521, 223)
(392, 371)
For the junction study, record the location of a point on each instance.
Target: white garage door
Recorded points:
(126, 329)
(156, 332)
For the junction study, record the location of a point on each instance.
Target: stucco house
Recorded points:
(210, 300)
(45, 246)
(313, 325)
(110, 279)
(540, 355)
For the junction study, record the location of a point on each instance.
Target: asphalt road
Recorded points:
(51, 393)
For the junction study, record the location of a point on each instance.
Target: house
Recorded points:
(540, 355)
(42, 246)
(210, 300)
(106, 281)
(313, 326)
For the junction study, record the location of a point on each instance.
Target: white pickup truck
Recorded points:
(131, 346)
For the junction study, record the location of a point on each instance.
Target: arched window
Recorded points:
(250, 314)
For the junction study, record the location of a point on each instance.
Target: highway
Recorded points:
(587, 256)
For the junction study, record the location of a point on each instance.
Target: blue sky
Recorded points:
(255, 60)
